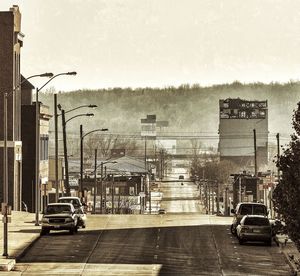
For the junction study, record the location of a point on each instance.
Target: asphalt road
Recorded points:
(180, 197)
(177, 243)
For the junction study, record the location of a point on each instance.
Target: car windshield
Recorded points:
(70, 200)
(256, 221)
(246, 210)
(259, 210)
(253, 210)
(58, 209)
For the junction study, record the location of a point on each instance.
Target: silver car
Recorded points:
(78, 207)
(59, 216)
(254, 228)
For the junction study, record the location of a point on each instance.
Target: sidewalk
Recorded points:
(21, 233)
(290, 251)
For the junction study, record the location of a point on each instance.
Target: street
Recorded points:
(177, 243)
(180, 197)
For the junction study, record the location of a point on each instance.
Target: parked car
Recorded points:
(78, 207)
(246, 208)
(254, 228)
(161, 211)
(59, 216)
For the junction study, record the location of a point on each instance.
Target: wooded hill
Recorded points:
(186, 108)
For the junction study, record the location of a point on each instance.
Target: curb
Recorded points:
(292, 266)
(289, 258)
(9, 263)
(27, 248)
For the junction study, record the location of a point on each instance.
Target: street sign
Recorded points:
(5, 209)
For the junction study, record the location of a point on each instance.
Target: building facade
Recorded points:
(237, 120)
(29, 160)
(11, 42)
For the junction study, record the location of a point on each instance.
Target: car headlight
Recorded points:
(45, 220)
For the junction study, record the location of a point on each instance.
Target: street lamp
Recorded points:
(81, 154)
(37, 144)
(64, 122)
(56, 137)
(5, 159)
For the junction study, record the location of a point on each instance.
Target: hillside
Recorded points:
(187, 108)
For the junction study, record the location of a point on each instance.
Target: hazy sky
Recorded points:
(159, 43)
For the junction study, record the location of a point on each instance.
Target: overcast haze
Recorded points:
(158, 43)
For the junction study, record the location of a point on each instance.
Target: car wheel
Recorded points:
(83, 226)
(72, 230)
(269, 242)
(233, 230)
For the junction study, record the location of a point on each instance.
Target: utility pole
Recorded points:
(65, 153)
(255, 153)
(81, 165)
(218, 198)
(37, 158)
(213, 198)
(56, 148)
(209, 194)
(101, 187)
(240, 189)
(104, 190)
(95, 181)
(150, 199)
(278, 153)
(112, 195)
(145, 152)
(226, 201)
(5, 181)
(206, 197)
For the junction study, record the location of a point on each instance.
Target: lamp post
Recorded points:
(56, 137)
(64, 123)
(5, 159)
(37, 145)
(81, 154)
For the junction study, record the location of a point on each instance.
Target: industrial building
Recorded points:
(238, 120)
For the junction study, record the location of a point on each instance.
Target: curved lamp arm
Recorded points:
(79, 115)
(87, 105)
(67, 73)
(48, 75)
(100, 129)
